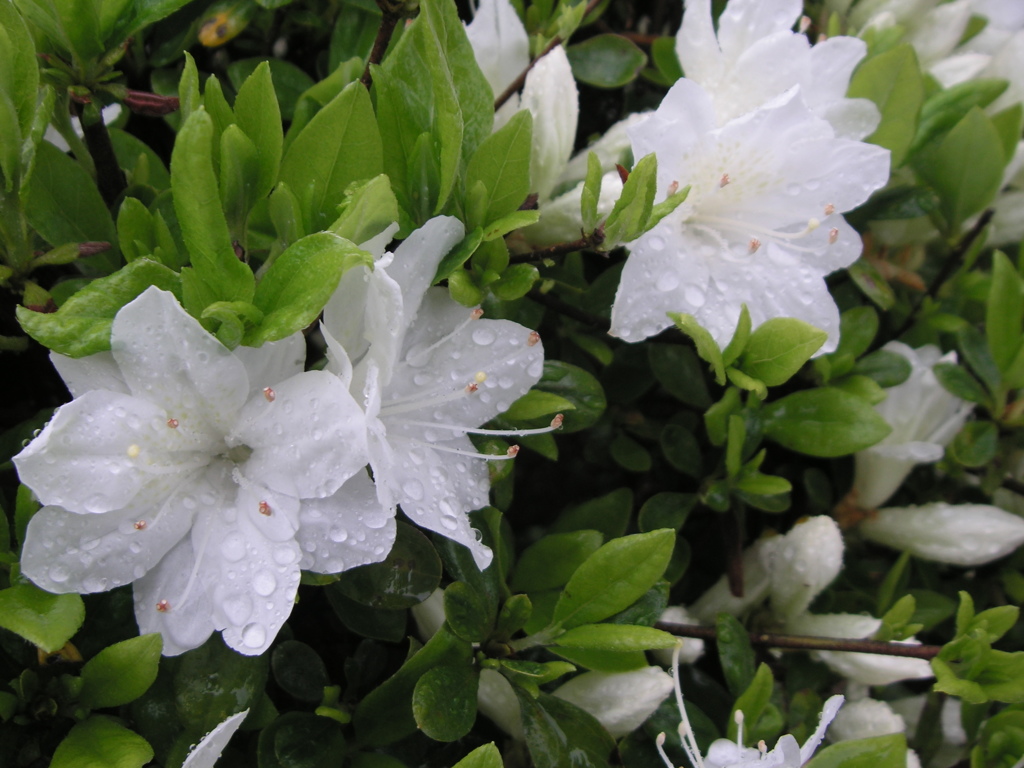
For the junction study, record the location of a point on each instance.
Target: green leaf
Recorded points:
(871, 283)
(406, 577)
(444, 701)
(466, 612)
(368, 209)
(591, 194)
(975, 350)
(289, 83)
(893, 81)
(82, 325)
(666, 510)
(736, 653)
(876, 752)
(629, 454)
(886, 368)
(515, 282)
(824, 422)
(608, 514)
(299, 670)
(101, 742)
(579, 387)
(682, 451)
(486, 756)
(203, 225)
(299, 282)
(1004, 312)
(606, 61)
(259, 117)
(340, 145)
(958, 381)
(385, 715)
(430, 85)
(614, 577)
(532, 673)
(45, 620)
(301, 740)
(19, 70)
(707, 347)
(615, 637)
(678, 370)
(560, 734)
(122, 672)
(976, 444)
(535, 404)
(632, 211)
(502, 164)
(965, 168)
(62, 203)
(740, 337)
(239, 176)
(858, 327)
(550, 562)
(943, 110)
(753, 700)
(778, 348)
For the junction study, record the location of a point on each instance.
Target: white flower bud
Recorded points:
(429, 615)
(867, 668)
(958, 534)
(693, 648)
(756, 585)
(924, 419)
(496, 699)
(620, 702)
(550, 95)
(802, 563)
(864, 719)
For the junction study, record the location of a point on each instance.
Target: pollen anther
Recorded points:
(673, 188)
(754, 244)
(833, 235)
(472, 387)
(830, 209)
(724, 180)
(269, 394)
(140, 525)
(533, 339)
(172, 423)
(513, 450)
(480, 377)
(477, 313)
(557, 421)
(163, 606)
(265, 509)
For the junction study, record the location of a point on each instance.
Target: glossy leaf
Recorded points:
(444, 701)
(824, 422)
(101, 742)
(606, 61)
(46, 620)
(122, 672)
(406, 577)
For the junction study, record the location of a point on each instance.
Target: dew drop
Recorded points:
(254, 635)
(667, 281)
(656, 243)
(284, 555)
(233, 547)
(338, 534)
(694, 296)
(483, 336)
(413, 489)
(59, 574)
(238, 608)
(263, 584)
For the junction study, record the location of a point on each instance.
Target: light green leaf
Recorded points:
(1004, 312)
(875, 752)
(486, 756)
(707, 347)
(631, 212)
(778, 348)
(46, 620)
(502, 164)
(122, 672)
(259, 117)
(615, 637)
(101, 742)
(824, 422)
(893, 81)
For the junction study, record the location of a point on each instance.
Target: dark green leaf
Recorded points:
(976, 444)
(444, 701)
(550, 562)
(824, 422)
(958, 381)
(606, 61)
(406, 577)
(301, 740)
(466, 612)
(608, 514)
(299, 670)
(736, 653)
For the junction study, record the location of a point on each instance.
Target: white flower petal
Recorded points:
(307, 441)
(551, 97)
(273, 362)
(692, 648)
(169, 359)
(252, 576)
(499, 42)
(621, 701)
(417, 258)
(611, 148)
(802, 563)
(185, 620)
(959, 534)
(437, 489)
(83, 374)
(206, 753)
(346, 530)
(864, 719)
(498, 701)
(104, 451)
(743, 22)
(828, 713)
(67, 552)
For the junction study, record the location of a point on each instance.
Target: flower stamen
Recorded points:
(830, 209)
(724, 180)
(172, 423)
(533, 339)
(265, 509)
(754, 244)
(139, 525)
(163, 606)
(833, 235)
(133, 451)
(269, 394)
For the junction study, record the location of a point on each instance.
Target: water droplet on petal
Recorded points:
(254, 635)
(667, 281)
(264, 584)
(58, 574)
(483, 336)
(233, 547)
(694, 296)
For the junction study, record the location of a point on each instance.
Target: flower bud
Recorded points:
(864, 719)
(802, 563)
(550, 95)
(622, 701)
(496, 700)
(693, 648)
(958, 534)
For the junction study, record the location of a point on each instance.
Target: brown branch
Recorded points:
(592, 240)
(516, 84)
(801, 642)
(390, 16)
(110, 178)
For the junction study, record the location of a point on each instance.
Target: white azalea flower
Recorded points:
(551, 96)
(186, 468)
(959, 534)
(802, 563)
(756, 57)
(429, 372)
(732, 754)
(866, 668)
(761, 225)
(620, 701)
(206, 753)
(866, 718)
(501, 48)
(924, 418)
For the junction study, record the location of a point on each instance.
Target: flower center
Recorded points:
(239, 454)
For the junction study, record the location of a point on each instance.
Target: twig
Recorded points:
(592, 240)
(516, 84)
(109, 177)
(802, 642)
(390, 16)
(951, 263)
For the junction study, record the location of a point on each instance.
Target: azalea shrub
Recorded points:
(511, 383)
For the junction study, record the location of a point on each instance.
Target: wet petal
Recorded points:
(273, 362)
(499, 42)
(307, 440)
(83, 374)
(169, 359)
(348, 529)
(206, 753)
(551, 97)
